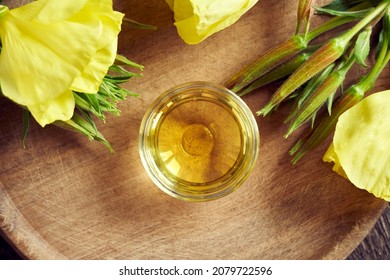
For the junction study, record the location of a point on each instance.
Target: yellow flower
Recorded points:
(361, 146)
(52, 47)
(195, 20)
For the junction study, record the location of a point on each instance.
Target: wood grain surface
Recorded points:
(63, 197)
(375, 246)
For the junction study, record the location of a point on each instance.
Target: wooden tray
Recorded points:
(63, 197)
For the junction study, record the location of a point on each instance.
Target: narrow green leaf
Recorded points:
(87, 117)
(344, 5)
(313, 118)
(362, 46)
(122, 60)
(88, 102)
(26, 126)
(135, 24)
(355, 14)
(84, 126)
(330, 102)
(120, 70)
(117, 79)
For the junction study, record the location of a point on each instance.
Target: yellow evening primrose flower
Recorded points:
(53, 47)
(196, 20)
(361, 145)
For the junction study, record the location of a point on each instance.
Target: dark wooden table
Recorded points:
(376, 246)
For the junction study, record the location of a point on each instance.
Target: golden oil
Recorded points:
(198, 141)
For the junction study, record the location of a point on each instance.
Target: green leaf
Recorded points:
(330, 102)
(89, 102)
(344, 5)
(355, 14)
(313, 119)
(122, 60)
(84, 124)
(135, 24)
(362, 46)
(26, 125)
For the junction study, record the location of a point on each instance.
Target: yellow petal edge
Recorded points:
(361, 145)
(196, 20)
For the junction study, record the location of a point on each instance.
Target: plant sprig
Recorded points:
(316, 82)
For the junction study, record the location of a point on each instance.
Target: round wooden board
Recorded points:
(64, 197)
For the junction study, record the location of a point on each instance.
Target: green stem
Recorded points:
(368, 82)
(327, 26)
(338, 21)
(347, 36)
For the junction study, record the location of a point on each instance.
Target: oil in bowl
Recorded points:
(198, 141)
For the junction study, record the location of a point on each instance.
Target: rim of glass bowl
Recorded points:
(236, 175)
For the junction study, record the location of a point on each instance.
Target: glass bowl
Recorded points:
(198, 141)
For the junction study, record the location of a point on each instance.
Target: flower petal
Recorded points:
(40, 61)
(52, 46)
(198, 19)
(59, 108)
(331, 156)
(94, 72)
(362, 147)
(91, 78)
(49, 11)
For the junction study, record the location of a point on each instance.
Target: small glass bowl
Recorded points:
(198, 141)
